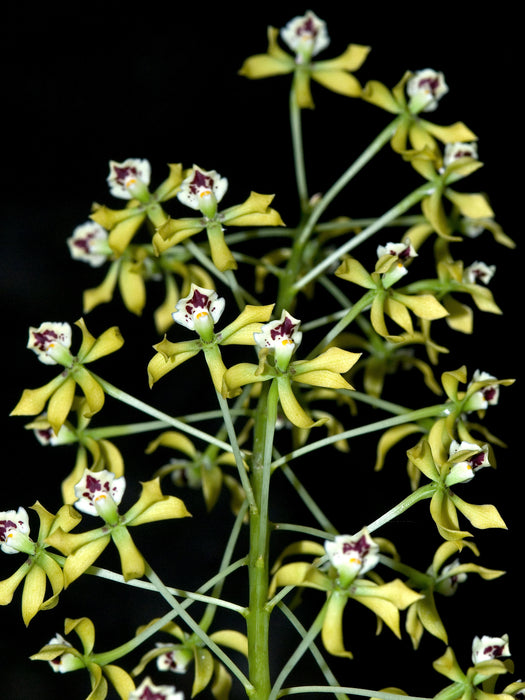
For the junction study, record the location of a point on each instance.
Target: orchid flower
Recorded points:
(278, 340)
(307, 36)
(202, 190)
(51, 341)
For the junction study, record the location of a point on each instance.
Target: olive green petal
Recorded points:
(83, 558)
(203, 662)
(424, 306)
(482, 516)
(352, 271)
(379, 95)
(264, 66)
(104, 292)
(175, 441)
(246, 323)
(332, 630)
(60, 404)
(33, 593)
(120, 680)
(475, 205)
(108, 342)
(9, 585)
(171, 185)
(131, 560)
(453, 133)
(430, 619)
(220, 253)
(160, 365)
(291, 406)
(338, 81)
(33, 401)
(93, 392)
(154, 505)
(254, 211)
(121, 235)
(132, 287)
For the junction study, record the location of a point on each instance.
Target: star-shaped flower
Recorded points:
(350, 558)
(417, 92)
(51, 341)
(278, 340)
(99, 493)
(199, 312)
(63, 657)
(130, 180)
(202, 190)
(307, 36)
(40, 566)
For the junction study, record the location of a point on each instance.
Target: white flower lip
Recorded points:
(465, 470)
(487, 648)
(13, 523)
(306, 34)
(425, 88)
(88, 243)
(353, 555)
(48, 339)
(147, 689)
(479, 272)
(201, 185)
(124, 176)
(454, 151)
(200, 304)
(65, 662)
(99, 491)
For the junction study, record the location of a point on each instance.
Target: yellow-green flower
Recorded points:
(129, 180)
(487, 667)
(99, 493)
(51, 341)
(413, 133)
(446, 470)
(199, 312)
(350, 557)
(39, 567)
(64, 657)
(188, 649)
(278, 340)
(443, 172)
(459, 279)
(202, 190)
(307, 36)
(385, 300)
(442, 578)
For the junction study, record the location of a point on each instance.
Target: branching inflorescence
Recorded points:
(286, 379)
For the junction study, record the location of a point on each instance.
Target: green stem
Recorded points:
(420, 494)
(339, 327)
(120, 395)
(245, 481)
(319, 658)
(307, 499)
(402, 206)
(111, 431)
(298, 151)
(200, 633)
(298, 653)
(409, 417)
(258, 619)
(376, 145)
(347, 689)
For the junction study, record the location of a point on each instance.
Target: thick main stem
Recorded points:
(258, 619)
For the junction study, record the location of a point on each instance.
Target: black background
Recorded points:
(87, 85)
